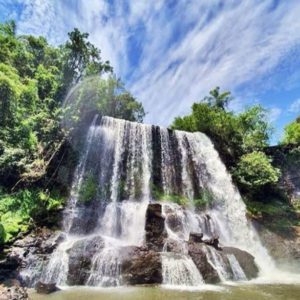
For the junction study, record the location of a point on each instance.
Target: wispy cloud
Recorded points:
(171, 53)
(294, 107)
(274, 113)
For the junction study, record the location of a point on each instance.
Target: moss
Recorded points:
(275, 215)
(88, 189)
(205, 198)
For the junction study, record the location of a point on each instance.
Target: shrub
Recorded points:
(23, 209)
(255, 170)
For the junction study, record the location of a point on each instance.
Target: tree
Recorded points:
(254, 128)
(34, 80)
(254, 170)
(232, 134)
(106, 97)
(81, 58)
(292, 133)
(217, 99)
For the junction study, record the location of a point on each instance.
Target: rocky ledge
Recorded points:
(138, 265)
(12, 290)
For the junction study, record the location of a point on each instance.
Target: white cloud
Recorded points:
(274, 113)
(295, 107)
(185, 50)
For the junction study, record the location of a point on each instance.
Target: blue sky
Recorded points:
(171, 53)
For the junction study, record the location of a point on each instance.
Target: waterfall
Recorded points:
(124, 166)
(238, 272)
(180, 270)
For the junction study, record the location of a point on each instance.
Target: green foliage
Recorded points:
(21, 210)
(180, 200)
(88, 189)
(107, 97)
(292, 133)
(254, 128)
(205, 199)
(217, 99)
(2, 234)
(239, 138)
(233, 134)
(278, 216)
(255, 170)
(35, 78)
(159, 195)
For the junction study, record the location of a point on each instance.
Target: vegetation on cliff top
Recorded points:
(242, 140)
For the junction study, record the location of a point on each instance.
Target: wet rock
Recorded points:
(45, 288)
(173, 246)
(8, 266)
(155, 227)
(141, 266)
(196, 237)
(198, 255)
(33, 249)
(174, 222)
(284, 247)
(80, 259)
(12, 290)
(214, 242)
(245, 259)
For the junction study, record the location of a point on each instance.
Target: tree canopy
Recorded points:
(35, 80)
(239, 138)
(233, 134)
(292, 133)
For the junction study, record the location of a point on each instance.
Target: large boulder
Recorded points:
(45, 288)
(141, 266)
(155, 227)
(80, 259)
(196, 237)
(245, 259)
(198, 255)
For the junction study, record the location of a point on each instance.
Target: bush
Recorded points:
(21, 210)
(254, 170)
(292, 133)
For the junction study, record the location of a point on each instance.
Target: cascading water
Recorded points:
(127, 165)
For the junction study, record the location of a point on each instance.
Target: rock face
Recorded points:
(33, 249)
(12, 290)
(283, 248)
(138, 265)
(196, 237)
(245, 259)
(155, 227)
(80, 259)
(46, 288)
(199, 257)
(141, 266)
